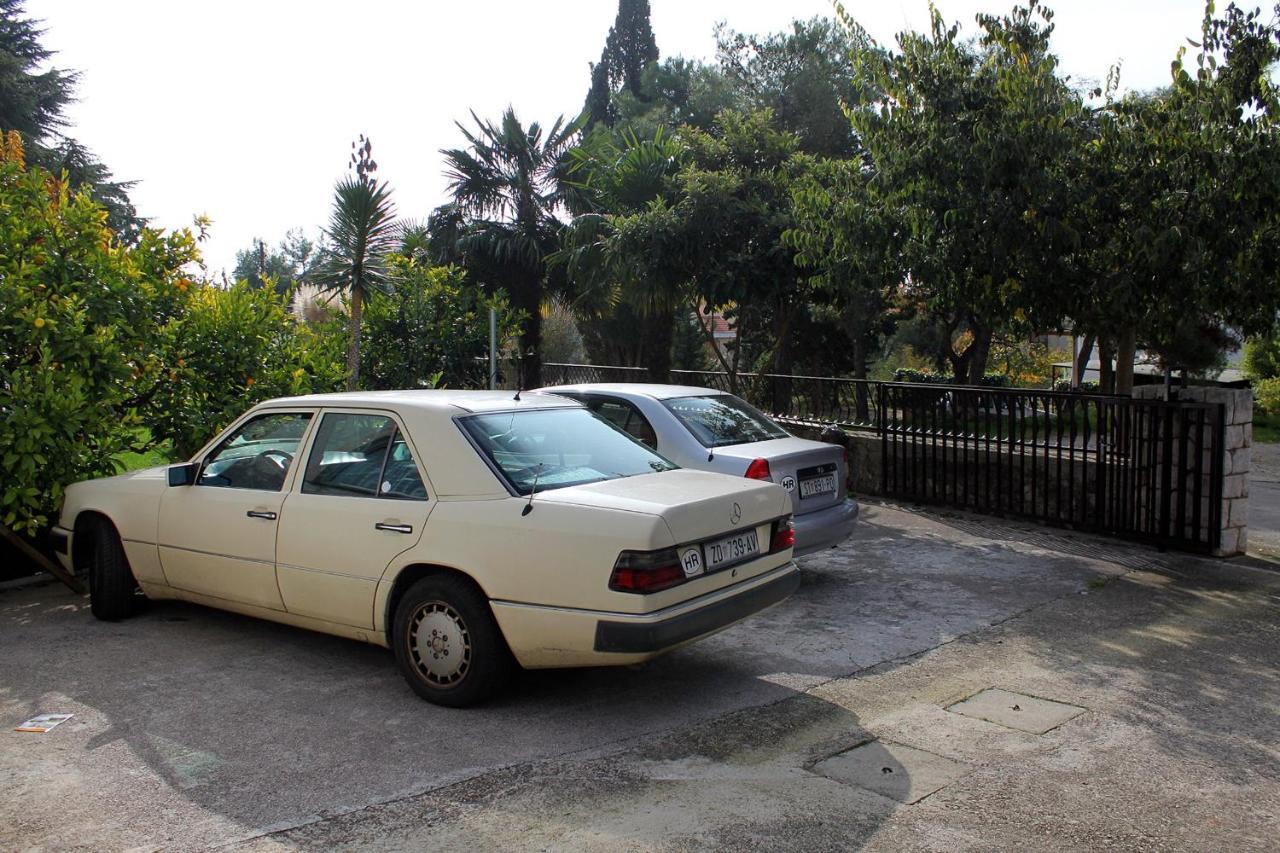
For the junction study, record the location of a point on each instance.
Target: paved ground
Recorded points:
(1264, 501)
(196, 728)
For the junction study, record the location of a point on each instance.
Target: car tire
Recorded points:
(447, 643)
(112, 588)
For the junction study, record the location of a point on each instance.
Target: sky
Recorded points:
(245, 111)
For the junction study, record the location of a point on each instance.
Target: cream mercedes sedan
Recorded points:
(468, 531)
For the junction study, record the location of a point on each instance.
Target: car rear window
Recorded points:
(722, 419)
(556, 448)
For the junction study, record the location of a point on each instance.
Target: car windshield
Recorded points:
(722, 419)
(559, 447)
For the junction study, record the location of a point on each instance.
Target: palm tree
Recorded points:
(617, 250)
(507, 187)
(362, 230)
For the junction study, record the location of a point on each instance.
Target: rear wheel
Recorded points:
(447, 643)
(112, 589)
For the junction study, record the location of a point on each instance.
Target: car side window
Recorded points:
(258, 455)
(362, 456)
(627, 418)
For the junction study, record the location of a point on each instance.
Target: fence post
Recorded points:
(883, 428)
(1100, 475)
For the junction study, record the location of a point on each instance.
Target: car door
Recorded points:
(218, 536)
(361, 501)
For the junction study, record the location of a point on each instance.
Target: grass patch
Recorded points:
(1266, 428)
(161, 454)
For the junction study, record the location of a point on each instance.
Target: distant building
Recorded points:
(722, 331)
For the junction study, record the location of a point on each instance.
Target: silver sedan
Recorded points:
(714, 431)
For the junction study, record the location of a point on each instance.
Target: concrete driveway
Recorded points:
(1264, 501)
(196, 728)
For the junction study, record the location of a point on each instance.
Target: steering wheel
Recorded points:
(282, 458)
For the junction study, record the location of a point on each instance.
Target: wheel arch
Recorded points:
(410, 574)
(82, 533)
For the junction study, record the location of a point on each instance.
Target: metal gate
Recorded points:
(1143, 469)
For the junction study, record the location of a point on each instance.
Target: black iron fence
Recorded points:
(804, 399)
(1144, 469)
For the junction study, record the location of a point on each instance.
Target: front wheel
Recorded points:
(447, 643)
(112, 589)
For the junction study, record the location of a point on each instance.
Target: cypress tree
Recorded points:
(628, 51)
(631, 47)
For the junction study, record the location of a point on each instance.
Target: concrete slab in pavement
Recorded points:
(1016, 710)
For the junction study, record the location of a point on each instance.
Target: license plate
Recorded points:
(818, 485)
(732, 549)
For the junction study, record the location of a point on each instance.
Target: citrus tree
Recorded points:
(228, 349)
(432, 330)
(80, 349)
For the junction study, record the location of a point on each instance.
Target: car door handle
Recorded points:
(254, 513)
(394, 528)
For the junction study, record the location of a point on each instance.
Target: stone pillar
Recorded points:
(1236, 459)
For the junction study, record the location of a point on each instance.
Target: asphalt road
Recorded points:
(195, 728)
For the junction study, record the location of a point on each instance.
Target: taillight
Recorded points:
(758, 470)
(784, 535)
(646, 571)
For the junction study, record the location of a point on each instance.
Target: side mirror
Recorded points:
(184, 475)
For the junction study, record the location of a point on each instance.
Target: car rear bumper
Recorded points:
(654, 636)
(553, 637)
(824, 528)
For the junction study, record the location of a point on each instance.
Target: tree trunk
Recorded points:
(1106, 369)
(783, 360)
(353, 340)
(529, 300)
(1080, 362)
(862, 409)
(658, 329)
(968, 367)
(978, 353)
(1126, 351)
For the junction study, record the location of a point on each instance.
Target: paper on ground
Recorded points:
(42, 723)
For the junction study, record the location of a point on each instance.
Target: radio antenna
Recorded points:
(528, 508)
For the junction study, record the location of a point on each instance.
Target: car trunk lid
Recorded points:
(811, 471)
(695, 505)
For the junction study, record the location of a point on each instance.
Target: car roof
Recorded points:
(429, 399)
(636, 389)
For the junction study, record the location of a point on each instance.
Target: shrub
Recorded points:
(928, 377)
(1266, 396)
(79, 348)
(1262, 358)
(1088, 386)
(229, 349)
(433, 330)
(107, 349)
